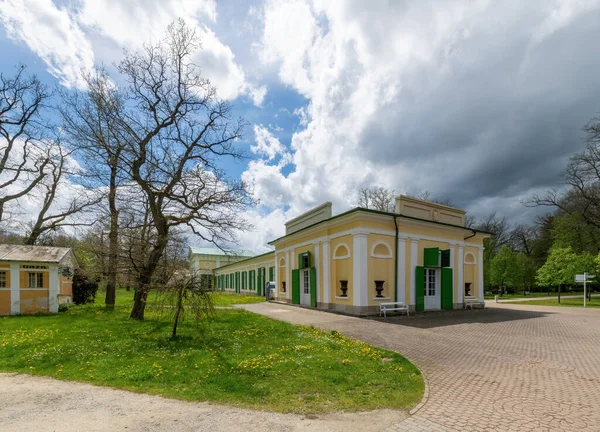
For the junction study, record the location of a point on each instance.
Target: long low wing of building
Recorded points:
(421, 255)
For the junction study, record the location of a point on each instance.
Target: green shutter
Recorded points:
(419, 288)
(431, 257)
(295, 286)
(237, 282)
(261, 281)
(446, 258)
(313, 287)
(446, 288)
(271, 274)
(300, 261)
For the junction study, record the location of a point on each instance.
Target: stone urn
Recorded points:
(379, 288)
(344, 288)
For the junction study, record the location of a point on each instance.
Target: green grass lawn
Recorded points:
(239, 358)
(572, 302)
(530, 295)
(125, 298)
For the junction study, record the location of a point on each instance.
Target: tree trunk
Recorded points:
(139, 303)
(143, 284)
(177, 312)
(559, 289)
(113, 241)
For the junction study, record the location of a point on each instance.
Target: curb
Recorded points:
(425, 391)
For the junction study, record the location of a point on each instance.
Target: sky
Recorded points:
(478, 102)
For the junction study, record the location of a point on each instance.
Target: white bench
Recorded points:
(469, 301)
(392, 306)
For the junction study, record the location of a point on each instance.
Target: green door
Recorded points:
(446, 288)
(296, 286)
(313, 287)
(419, 288)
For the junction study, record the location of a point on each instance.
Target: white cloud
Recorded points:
(266, 144)
(53, 34)
(414, 97)
(70, 39)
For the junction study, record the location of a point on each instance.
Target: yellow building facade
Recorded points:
(421, 255)
(35, 279)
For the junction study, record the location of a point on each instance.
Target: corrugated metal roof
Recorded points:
(216, 251)
(32, 253)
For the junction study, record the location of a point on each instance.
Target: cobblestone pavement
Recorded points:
(505, 368)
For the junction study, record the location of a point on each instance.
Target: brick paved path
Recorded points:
(505, 368)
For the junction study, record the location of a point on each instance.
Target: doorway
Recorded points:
(305, 287)
(432, 289)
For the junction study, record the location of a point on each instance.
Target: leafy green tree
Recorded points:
(503, 269)
(562, 265)
(524, 271)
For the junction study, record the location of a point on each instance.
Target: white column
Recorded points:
(54, 289)
(480, 278)
(451, 249)
(360, 290)
(317, 267)
(288, 274)
(326, 273)
(276, 276)
(401, 282)
(414, 259)
(15, 289)
(461, 277)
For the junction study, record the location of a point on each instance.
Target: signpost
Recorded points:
(584, 278)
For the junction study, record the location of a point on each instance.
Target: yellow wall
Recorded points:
(65, 286)
(281, 275)
(4, 302)
(341, 269)
(380, 268)
(34, 301)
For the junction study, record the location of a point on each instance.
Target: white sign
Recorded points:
(583, 277)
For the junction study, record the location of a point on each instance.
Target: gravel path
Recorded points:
(44, 404)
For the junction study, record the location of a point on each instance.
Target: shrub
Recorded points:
(84, 288)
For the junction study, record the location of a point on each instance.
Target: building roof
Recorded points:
(32, 253)
(219, 252)
(397, 215)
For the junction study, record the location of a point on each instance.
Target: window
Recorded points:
(3, 279)
(467, 288)
(305, 284)
(305, 261)
(283, 286)
(36, 280)
(429, 282)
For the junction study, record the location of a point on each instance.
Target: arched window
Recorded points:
(282, 262)
(469, 258)
(341, 251)
(381, 250)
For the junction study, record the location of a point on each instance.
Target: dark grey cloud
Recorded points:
(496, 115)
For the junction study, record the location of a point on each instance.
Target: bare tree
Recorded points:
(52, 216)
(582, 175)
(376, 198)
(23, 154)
(522, 239)
(176, 130)
(499, 227)
(426, 195)
(183, 296)
(87, 118)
